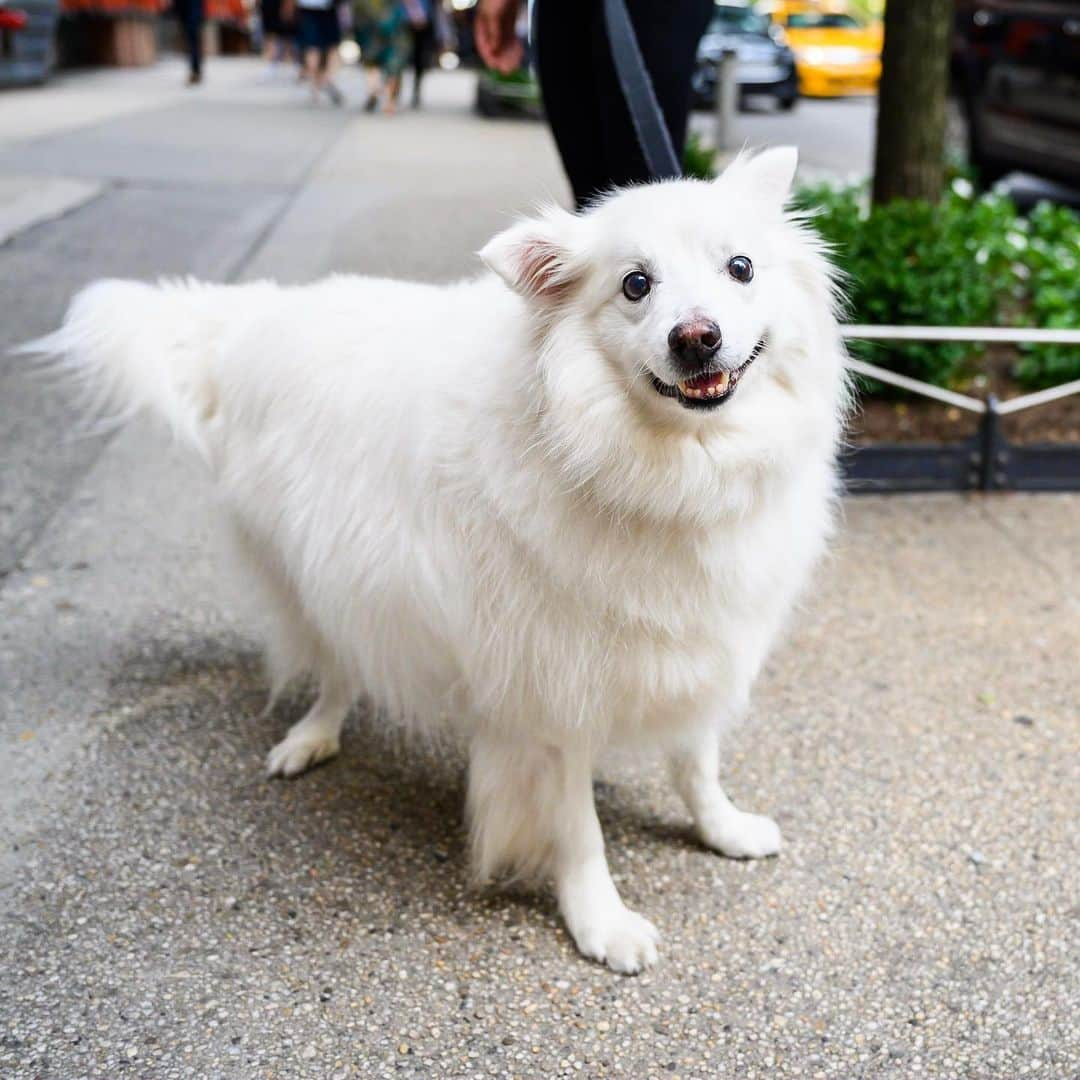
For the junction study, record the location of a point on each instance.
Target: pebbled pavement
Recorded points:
(168, 912)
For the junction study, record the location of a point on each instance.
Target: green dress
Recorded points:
(382, 32)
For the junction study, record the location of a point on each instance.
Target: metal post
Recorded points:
(727, 92)
(991, 475)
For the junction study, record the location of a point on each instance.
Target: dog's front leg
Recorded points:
(720, 824)
(599, 922)
(531, 810)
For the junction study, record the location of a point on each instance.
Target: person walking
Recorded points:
(583, 97)
(319, 35)
(421, 18)
(190, 14)
(382, 32)
(279, 32)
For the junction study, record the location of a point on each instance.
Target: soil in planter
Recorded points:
(916, 421)
(907, 418)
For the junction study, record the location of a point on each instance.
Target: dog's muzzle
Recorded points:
(708, 388)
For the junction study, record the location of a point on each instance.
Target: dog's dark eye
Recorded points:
(740, 268)
(636, 285)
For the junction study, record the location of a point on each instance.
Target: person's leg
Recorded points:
(393, 91)
(271, 53)
(330, 66)
(417, 64)
(311, 70)
(189, 13)
(423, 40)
(195, 8)
(374, 87)
(287, 34)
(565, 45)
(668, 32)
(582, 95)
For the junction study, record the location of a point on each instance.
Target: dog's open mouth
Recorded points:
(710, 388)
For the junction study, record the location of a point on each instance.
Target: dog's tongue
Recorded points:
(707, 381)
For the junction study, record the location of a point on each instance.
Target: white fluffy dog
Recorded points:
(563, 506)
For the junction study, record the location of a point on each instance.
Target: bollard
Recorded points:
(727, 93)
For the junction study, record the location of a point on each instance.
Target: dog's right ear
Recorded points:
(536, 258)
(766, 176)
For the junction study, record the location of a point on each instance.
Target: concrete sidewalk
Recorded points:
(167, 912)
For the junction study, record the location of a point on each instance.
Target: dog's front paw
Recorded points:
(624, 940)
(298, 752)
(743, 836)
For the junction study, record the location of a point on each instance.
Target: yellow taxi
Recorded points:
(835, 53)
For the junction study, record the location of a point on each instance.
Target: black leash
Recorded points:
(653, 135)
(637, 88)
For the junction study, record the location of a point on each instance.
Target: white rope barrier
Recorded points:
(961, 401)
(1025, 335)
(1040, 397)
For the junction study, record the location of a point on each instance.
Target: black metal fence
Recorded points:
(988, 461)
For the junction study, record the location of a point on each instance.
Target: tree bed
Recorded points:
(907, 418)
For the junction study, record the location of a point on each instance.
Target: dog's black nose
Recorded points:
(694, 340)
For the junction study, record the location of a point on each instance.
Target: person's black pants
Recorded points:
(423, 47)
(190, 13)
(581, 91)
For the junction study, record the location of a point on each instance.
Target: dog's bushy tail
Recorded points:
(131, 346)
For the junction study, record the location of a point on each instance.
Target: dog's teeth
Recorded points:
(719, 388)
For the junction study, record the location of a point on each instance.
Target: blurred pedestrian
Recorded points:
(279, 32)
(190, 14)
(421, 15)
(382, 32)
(582, 94)
(319, 35)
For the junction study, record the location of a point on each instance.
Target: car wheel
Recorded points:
(788, 103)
(988, 169)
(703, 88)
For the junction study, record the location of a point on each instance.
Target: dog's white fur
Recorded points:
(471, 505)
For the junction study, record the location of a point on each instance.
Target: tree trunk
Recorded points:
(909, 162)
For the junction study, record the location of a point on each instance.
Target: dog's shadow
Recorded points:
(387, 811)
(373, 840)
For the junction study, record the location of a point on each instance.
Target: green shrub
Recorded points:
(699, 160)
(968, 261)
(1052, 263)
(913, 262)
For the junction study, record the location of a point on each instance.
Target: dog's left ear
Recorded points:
(768, 175)
(536, 258)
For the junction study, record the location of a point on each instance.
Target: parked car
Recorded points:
(835, 53)
(764, 64)
(1016, 74)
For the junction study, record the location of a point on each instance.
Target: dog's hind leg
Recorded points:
(720, 824)
(317, 737)
(531, 812)
(294, 647)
